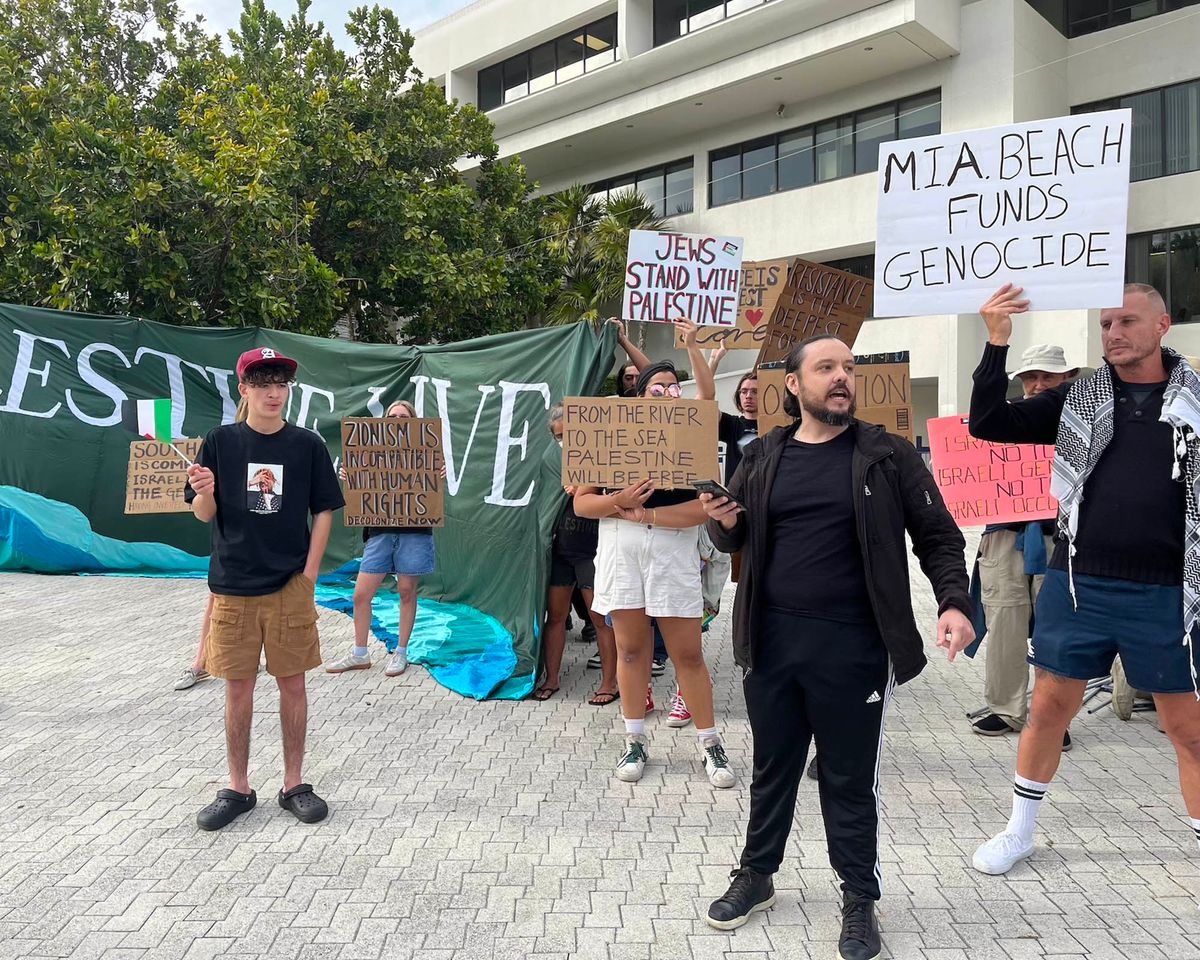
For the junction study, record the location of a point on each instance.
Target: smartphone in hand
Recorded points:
(717, 490)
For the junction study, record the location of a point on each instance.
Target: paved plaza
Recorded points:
(480, 830)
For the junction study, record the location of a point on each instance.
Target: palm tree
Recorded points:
(593, 236)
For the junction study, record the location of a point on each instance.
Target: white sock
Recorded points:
(1027, 800)
(702, 735)
(1196, 828)
(403, 651)
(359, 651)
(635, 728)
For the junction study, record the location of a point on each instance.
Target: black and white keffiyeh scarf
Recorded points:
(1084, 433)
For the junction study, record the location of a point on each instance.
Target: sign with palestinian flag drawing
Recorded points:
(674, 276)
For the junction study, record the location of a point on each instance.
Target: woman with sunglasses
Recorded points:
(648, 566)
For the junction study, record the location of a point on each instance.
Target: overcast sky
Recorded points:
(221, 15)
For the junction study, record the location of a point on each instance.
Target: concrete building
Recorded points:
(761, 119)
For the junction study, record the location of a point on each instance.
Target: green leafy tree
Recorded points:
(279, 181)
(592, 237)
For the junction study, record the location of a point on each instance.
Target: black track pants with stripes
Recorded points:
(830, 682)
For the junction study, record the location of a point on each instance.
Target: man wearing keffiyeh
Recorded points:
(1125, 573)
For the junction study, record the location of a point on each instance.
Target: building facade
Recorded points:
(762, 119)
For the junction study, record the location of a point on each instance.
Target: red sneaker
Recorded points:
(680, 715)
(650, 698)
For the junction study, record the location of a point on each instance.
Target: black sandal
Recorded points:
(604, 699)
(544, 693)
(228, 806)
(304, 804)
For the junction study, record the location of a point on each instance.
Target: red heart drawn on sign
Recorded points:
(755, 317)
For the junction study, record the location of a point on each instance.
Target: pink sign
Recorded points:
(985, 482)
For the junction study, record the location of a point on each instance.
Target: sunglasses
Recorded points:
(667, 390)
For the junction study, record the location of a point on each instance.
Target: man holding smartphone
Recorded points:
(823, 624)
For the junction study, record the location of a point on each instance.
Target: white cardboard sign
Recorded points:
(669, 276)
(1041, 204)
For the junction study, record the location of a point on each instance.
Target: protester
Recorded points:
(573, 565)
(263, 572)
(735, 431)
(1012, 563)
(638, 361)
(406, 552)
(195, 673)
(648, 566)
(823, 623)
(1125, 573)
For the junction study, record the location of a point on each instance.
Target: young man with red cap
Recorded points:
(257, 482)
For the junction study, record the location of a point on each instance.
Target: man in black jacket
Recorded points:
(823, 622)
(1125, 573)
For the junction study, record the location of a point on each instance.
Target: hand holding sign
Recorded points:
(997, 313)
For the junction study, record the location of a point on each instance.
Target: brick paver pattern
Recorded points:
(496, 830)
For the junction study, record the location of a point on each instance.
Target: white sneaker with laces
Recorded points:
(190, 677)
(716, 764)
(1001, 853)
(349, 662)
(680, 715)
(397, 664)
(632, 764)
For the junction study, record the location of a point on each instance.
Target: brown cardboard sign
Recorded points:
(393, 472)
(157, 476)
(614, 442)
(816, 300)
(762, 283)
(883, 392)
(771, 392)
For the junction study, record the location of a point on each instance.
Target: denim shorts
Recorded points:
(404, 554)
(1143, 622)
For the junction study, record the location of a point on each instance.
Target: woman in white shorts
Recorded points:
(648, 566)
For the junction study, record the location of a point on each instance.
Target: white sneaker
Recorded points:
(999, 854)
(716, 764)
(349, 662)
(632, 764)
(397, 664)
(190, 677)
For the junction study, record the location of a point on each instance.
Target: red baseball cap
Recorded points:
(260, 355)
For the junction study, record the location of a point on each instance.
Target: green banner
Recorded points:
(63, 377)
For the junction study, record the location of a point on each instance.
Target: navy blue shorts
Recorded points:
(1143, 622)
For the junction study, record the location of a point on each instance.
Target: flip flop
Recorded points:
(543, 694)
(604, 699)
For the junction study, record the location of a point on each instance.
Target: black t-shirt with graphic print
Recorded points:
(266, 487)
(737, 433)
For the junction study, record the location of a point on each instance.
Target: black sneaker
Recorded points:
(860, 930)
(1067, 741)
(812, 768)
(588, 633)
(228, 806)
(748, 893)
(991, 726)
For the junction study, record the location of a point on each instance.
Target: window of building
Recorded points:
(1169, 260)
(1074, 18)
(677, 18)
(562, 59)
(668, 188)
(840, 147)
(1166, 129)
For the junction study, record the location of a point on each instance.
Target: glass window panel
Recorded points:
(1183, 127)
(702, 13)
(491, 88)
(516, 78)
(670, 20)
(1146, 158)
(602, 43)
(1086, 16)
(1185, 275)
(1137, 258)
(834, 149)
(863, 266)
(725, 176)
(871, 128)
(650, 186)
(1157, 271)
(541, 67)
(796, 159)
(737, 6)
(921, 116)
(570, 56)
(620, 185)
(758, 168)
(680, 188)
